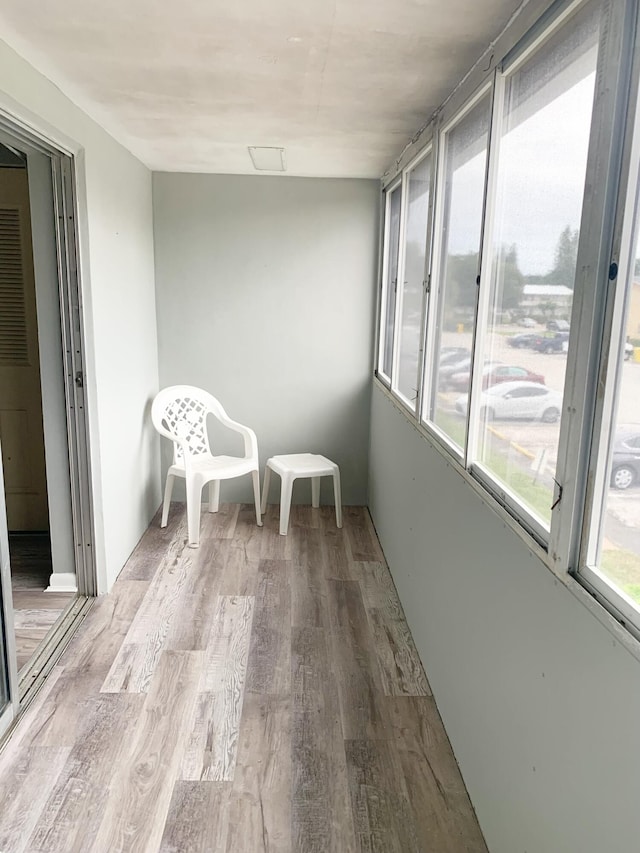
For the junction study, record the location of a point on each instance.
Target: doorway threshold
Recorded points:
(32, 676)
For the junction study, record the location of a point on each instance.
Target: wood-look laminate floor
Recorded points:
(35, 611)
(260, 693)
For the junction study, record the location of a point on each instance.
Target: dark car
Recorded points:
(552, 343)
(625, 466)
(523, 340)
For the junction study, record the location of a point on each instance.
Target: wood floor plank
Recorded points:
(305, 515)
(190, 625)
(221, 524)
(239, 574)
(157, 544)
(31, 724)
(335, 546)
(136, 662)
(322, 821)
(383, 817)
(361, 535)
(402, 672)
(72, 814)
(360, 684)
(24, 792)
(196, 822)
(400, 665)
(141, 788)
(212, 746)
(269, 664)
(443, 814)
(309, 605)
(94, 647)
(273, 546)
(34, 599)
(259, 809)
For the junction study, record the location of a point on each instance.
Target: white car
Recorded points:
(528, 401)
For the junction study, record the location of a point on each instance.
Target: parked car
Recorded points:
(449, 355)
(447, 370)
(493, 373)
(527, 323)
(458, 380)
(518, 401)
(558, 326)
(625, 465)
(628, 350)
(523, 340)
(552, 343)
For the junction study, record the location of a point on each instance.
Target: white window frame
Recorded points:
(412, 405)
(447, 124)
(384, 281)
(589, 393)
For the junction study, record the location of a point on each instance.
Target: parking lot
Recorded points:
(536, 443)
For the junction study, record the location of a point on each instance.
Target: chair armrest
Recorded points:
(250, 439)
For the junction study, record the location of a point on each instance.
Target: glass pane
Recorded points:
(540, 183)
(391, 278)
(619, 543)
(4, 671)
(465, 160)
(415, 235)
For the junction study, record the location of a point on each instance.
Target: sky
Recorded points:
(541, 181)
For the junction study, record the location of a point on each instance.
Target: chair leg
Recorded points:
(337, 495)
(166, 503)
(214, 495)
(256, 495)
(265, 488)
(315, 491)
(285, 503)
(194, 495)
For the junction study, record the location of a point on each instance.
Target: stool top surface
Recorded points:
(302, 464)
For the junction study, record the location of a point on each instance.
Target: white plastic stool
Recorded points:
(292, 466)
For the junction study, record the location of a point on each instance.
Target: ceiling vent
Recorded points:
(268, 159)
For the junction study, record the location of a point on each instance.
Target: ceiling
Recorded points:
(342, 85)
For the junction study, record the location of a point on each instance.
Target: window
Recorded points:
(457, 241)
(531, 249)
(613, 549)
(411, 292)
(533, 393)
(390, 279)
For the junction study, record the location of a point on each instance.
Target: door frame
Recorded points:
(8, 713)
(64, 164)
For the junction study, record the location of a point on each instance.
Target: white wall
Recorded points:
(266, 295)
(119, 309)
(540, 701)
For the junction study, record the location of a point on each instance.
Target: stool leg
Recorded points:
(337, 495)
(315, 491)
(285, 503)
(265, 488)
(256, 495)
(214, 495)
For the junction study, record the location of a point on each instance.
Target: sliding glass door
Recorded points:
(8, 666)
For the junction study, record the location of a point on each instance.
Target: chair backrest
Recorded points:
(180, 412)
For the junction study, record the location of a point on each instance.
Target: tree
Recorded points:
(509, 279)
(566, 255)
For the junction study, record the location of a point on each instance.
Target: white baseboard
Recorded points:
(62, 582)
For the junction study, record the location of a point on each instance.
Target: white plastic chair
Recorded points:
(180, 414)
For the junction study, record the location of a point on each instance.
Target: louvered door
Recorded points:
(21, 430)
